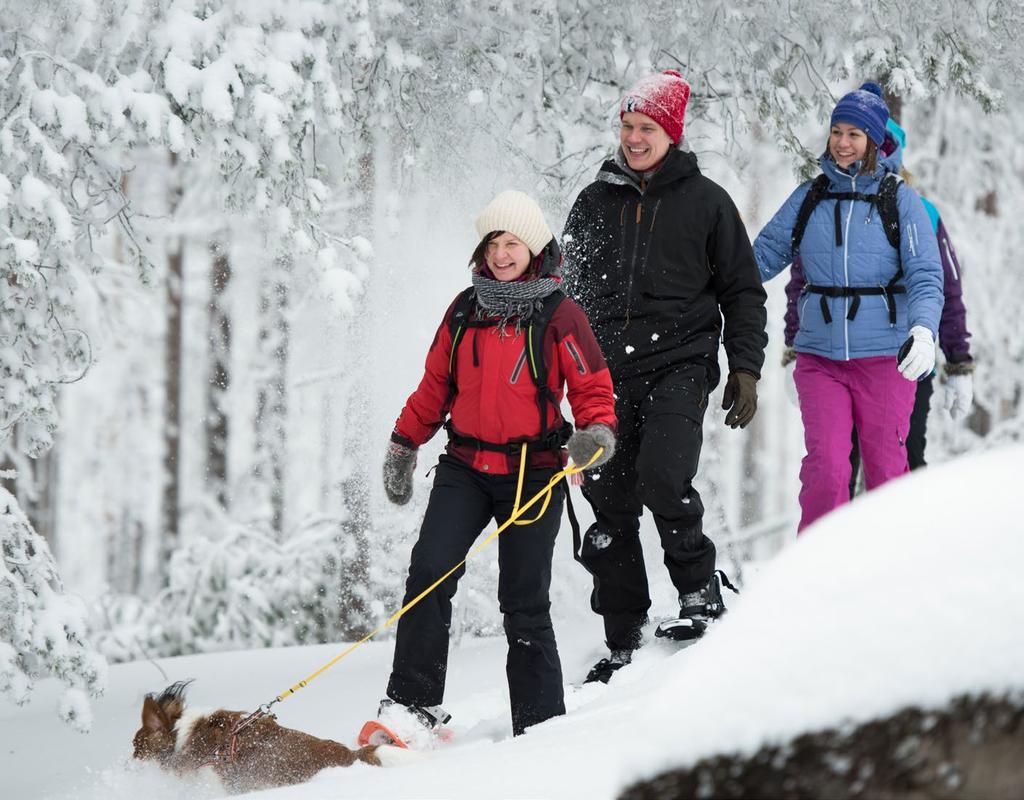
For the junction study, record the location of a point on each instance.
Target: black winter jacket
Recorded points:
(656, 267)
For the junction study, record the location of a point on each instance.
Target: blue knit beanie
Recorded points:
(864, 109)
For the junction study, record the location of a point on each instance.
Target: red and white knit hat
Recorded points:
(661, 97)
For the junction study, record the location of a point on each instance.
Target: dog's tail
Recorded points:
(390, 756)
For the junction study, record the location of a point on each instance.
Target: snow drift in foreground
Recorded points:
(908, 596)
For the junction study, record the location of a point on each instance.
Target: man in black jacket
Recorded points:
(657, 255)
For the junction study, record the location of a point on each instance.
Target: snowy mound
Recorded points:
(909, 596)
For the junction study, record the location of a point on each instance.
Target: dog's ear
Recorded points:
(153, 717)
(172, 701)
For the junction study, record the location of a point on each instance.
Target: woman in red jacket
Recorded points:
(511, 327)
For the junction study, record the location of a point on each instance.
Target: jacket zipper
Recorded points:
(650, 238)
(575, 357)
(632, 260)
(846, 269)
(518, 367)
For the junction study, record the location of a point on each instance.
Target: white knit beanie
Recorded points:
(515, 213)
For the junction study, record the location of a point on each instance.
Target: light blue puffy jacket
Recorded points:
(864, 259)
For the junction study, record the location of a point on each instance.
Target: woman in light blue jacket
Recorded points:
(870, 310)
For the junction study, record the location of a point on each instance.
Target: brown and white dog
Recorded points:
(262, 755)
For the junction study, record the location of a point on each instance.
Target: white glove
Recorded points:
(959, 395)
(791, 392)
(917, 355)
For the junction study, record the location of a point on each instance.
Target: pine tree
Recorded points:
(42, 630)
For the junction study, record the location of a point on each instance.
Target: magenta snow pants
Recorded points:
(835, 396)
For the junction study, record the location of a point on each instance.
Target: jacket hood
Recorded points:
(550, 259)
(901, 135)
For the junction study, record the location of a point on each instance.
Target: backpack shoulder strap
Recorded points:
(889, 213)
(457, 322)
(461, 310)
(535, 352)
(535, 337)
(819, 186)
(888, 209)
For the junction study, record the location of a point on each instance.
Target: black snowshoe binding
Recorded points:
(428, 716)
(697, 610)
(603, 670)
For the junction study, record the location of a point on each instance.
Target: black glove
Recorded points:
(740, 396)
(399, 463)
(585, 442)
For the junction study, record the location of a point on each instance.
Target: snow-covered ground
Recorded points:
(907, 597)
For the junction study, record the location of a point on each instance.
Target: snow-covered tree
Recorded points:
(244, 589)
(240, 87)
(42, 630)
(217, 421)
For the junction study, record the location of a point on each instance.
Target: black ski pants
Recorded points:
(462, 503)
(660, 435)
(917, 438)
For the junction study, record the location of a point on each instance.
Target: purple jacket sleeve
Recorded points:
(953, 333)
(794, 287)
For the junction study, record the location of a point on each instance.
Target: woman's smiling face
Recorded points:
(847, 144)
(507, 257)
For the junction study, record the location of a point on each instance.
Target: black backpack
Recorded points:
(888, 212)
(460, 320)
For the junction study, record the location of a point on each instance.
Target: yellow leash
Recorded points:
(517, 511)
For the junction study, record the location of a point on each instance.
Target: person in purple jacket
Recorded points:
(870, 310)
(953, 340)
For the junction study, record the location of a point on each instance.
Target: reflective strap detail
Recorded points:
(455, 344)
(519, 367)
(580, 367)
(529, 347)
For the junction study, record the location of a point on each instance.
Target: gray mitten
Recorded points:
(399, 463)
(585, 442)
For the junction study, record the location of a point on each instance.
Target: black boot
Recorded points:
(697, 610)
(602, 671)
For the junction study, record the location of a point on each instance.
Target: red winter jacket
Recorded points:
(497, 398)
